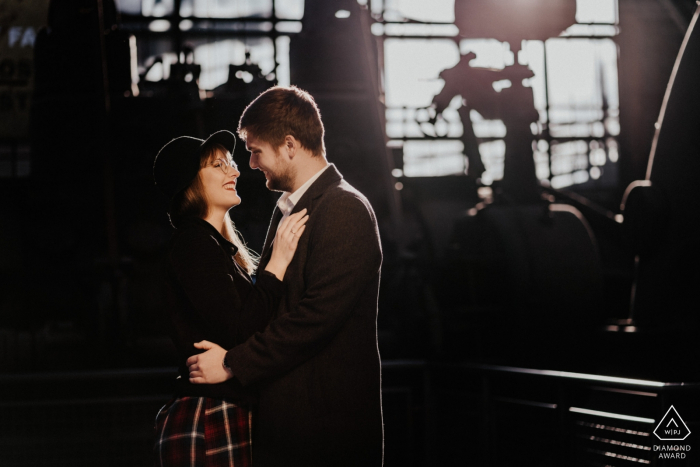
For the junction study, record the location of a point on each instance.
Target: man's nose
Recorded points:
(253, 161)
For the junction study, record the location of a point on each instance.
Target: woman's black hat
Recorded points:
(177, 163)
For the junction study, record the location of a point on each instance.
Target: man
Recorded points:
(317, 363)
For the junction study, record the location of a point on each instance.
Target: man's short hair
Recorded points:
(282, 111)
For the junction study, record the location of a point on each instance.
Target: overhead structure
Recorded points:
(514, 20)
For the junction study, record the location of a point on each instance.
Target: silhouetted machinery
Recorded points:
(511, 21)
(246, 80)
(525, 273)
(526, 276)
(526, 293)
(662, 220)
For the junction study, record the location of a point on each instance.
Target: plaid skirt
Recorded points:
(203, 432)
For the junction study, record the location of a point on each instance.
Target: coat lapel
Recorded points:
(269, 239)
(329, 177)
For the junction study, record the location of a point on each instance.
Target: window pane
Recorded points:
(229, 9)
(156, 8)
(289, 9)
(596, 11)
(283, 70)
(412, 67)
(490, 53)
(532, 55)
(433, 11)
(575, 91)
(131, 7)
(215, 57)
(433, 158)
(492, 155)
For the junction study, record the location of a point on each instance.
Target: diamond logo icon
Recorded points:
(672, 427)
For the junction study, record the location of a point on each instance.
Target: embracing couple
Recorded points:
(283, 370)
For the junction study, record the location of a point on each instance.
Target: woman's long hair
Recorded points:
(192, 202)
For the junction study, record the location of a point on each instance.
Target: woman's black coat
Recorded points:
(209, 296)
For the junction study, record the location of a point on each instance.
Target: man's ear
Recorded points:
(291, 145)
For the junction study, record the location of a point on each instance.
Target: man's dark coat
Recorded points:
(317, 363)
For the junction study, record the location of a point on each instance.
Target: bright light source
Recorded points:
(186, 25)
(582, 75)
(412, 29)
(580, 176)
(490, 53)
(288, 26)
(215, 58)
(542, 171)
(604, 30)
(156, 73)
(597, 156)
(287, 9)
(486, 128)
(561, 181)
(242, 9)
(484, 192)
(245, 76)
(342, 14)
(408, 85)
(596, 11)
(397, 173)
(134, 63)
(492, 155)
(434, 11)
(613, 125)
(502, 84)
(159, 25)
(283, 74)
(433, 158)
(377, 29)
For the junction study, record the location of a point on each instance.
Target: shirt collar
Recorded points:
(287, 201)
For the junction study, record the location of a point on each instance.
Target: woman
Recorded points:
(210, 295)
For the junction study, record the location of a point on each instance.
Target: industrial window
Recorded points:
(575, 91)
(215, 34)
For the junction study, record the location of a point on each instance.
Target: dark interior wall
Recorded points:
(651, 32)
(335, 60)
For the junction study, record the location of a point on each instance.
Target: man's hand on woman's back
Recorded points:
(208, 367)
